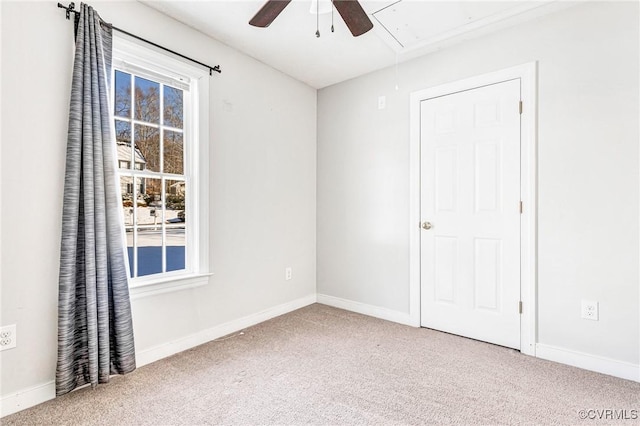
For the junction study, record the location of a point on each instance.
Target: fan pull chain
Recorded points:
(318, 18)
(332, 30)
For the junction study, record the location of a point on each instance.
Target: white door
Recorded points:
(470, 208)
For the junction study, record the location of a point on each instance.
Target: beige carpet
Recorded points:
(321, 365)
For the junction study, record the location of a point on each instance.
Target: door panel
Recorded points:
(470, 193)
(446, 179)
(445, 269)
(488, 165)
(487, 260)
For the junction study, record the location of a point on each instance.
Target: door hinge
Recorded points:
(520, 307)
(521, 207)
(520, 107)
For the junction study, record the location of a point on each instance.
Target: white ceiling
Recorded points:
(402, 30)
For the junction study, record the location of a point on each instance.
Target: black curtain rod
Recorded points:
(71, 9)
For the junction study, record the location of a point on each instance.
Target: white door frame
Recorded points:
(527, 73)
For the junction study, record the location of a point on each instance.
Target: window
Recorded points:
(157, 139)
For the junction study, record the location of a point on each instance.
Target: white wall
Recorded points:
(262, 186)
(588, 184)
(263, 191)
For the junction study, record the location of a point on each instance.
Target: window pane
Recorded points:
(173, 152)
(123, 131)
(149, 211)
(173, 107)
(126, 189)
(148, 147)
(176, 248)
(129, 232)
(123, 140)
(149, 251)
(147, 101)
(175, 194)
(175, 197)
(122, 106)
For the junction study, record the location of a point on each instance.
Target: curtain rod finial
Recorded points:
(69, 9)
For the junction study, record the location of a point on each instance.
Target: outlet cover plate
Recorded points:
(8, 338)
(589, 310)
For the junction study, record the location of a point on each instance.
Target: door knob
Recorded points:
(426, 225)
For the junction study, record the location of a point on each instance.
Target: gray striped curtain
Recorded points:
(95, 333)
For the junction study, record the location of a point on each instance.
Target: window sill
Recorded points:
(168, 285)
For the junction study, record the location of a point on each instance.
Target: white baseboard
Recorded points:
(27, 398)
(362, 308)
(164, 350)
(30, 397)
(612, 367)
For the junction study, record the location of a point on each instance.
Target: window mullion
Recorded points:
(148, 175)
(146, 123)
(174, 129)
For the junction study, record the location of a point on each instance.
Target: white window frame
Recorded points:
(129, 56)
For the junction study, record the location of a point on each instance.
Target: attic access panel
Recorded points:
(407, 25)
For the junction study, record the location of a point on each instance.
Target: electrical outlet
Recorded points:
(288, 273)
(8, 337)
(382, 102)
(590, 310)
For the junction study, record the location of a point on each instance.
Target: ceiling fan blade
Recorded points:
(354, 16)
(268, 13)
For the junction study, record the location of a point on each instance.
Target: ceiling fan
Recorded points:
(352, 13)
